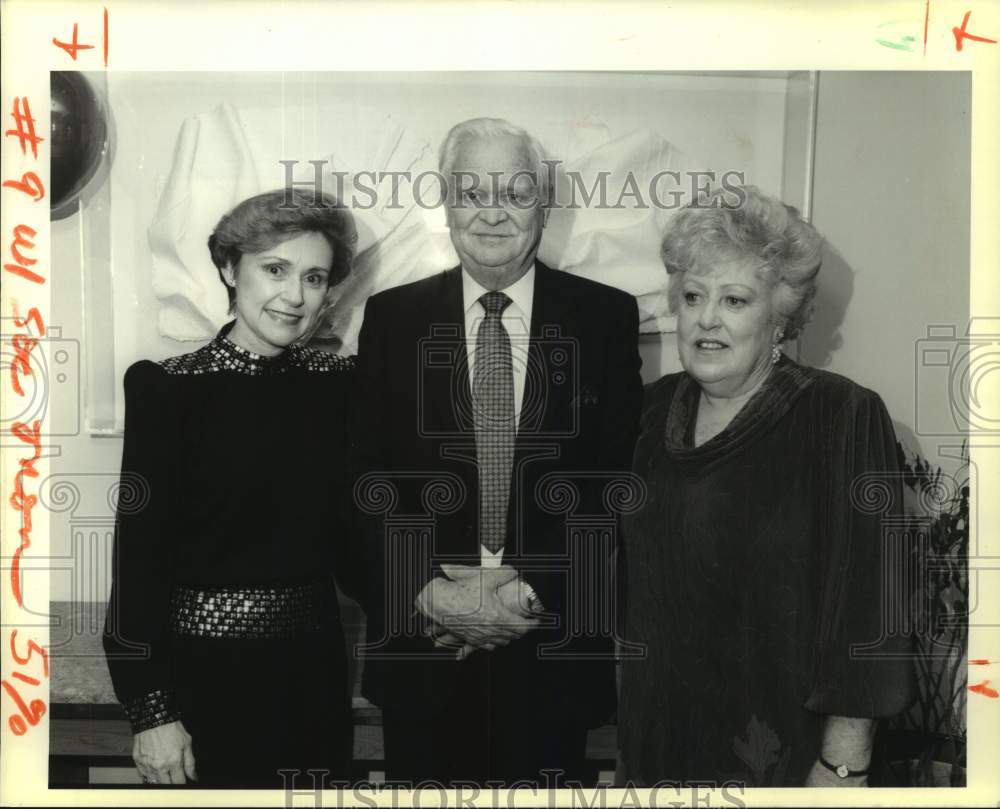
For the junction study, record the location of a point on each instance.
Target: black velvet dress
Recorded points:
(756, 580)
(232, 523)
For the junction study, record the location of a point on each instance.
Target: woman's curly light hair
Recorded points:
(759, 227)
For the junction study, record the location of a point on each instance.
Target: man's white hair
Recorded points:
(485, 128)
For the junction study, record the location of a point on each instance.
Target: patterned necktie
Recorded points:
(493, 405)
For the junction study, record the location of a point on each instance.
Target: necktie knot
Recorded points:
(494, 303)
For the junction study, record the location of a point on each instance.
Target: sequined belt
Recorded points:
(279, 611)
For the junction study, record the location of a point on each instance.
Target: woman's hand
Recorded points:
(820, 776)
(163, 754)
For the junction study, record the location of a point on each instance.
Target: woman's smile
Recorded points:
(284, 317)
(710, 345)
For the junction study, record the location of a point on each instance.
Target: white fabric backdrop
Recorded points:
(218, 162)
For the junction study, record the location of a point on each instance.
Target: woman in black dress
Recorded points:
(756, 568)
(222, 635)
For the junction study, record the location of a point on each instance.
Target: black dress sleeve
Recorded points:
(136, 631)
(351, 565)
(862, 659)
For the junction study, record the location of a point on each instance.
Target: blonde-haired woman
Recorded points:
(755, 577)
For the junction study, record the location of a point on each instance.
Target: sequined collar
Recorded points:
(232, 357)
(222, 354)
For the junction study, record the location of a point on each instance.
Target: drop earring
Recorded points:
(776, 349)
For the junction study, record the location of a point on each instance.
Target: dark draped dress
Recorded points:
(231, 528)
(756, 580)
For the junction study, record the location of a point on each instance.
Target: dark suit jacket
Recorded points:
(418, 488)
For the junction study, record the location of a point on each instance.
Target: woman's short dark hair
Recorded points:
(263, 221)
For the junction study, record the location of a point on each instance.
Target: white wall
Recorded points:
(891, 195)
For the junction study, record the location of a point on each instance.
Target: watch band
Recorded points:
(534, 602)
(841, 770)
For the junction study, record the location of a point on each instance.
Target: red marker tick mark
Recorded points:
(961, 36)
(984, 689)
(927, 19)
(979, 662)
(72, 47)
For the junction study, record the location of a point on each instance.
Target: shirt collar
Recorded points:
(521, 293)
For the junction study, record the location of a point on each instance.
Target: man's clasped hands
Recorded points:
(478, 608)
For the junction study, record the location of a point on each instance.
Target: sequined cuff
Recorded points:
(151, 710)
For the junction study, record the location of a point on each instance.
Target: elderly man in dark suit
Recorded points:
(500, 402)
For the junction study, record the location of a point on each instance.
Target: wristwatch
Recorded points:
(842, 770)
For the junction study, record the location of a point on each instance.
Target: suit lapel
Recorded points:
(548, 391)
(447, 406)
(552, 372)
(445, 361)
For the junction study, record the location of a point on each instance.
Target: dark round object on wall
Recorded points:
(79, 142)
